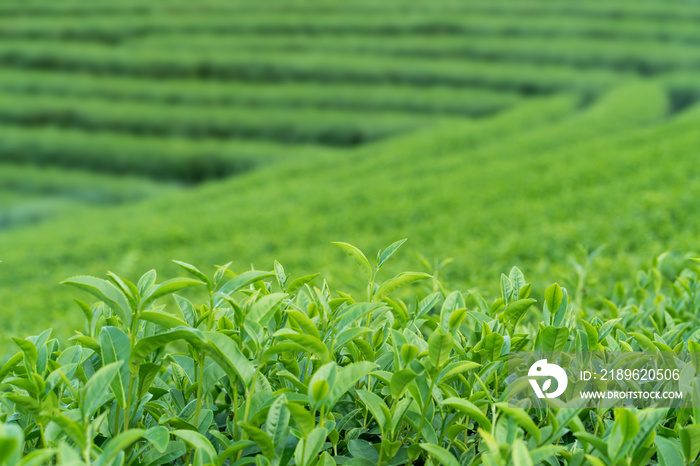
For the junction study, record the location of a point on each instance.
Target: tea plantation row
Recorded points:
(592, 9)
(348, 96)
(108, 29)
(323, 68)
(645, 56)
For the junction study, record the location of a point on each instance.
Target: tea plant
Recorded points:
(270, 370)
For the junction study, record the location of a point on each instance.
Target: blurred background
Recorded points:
(496, 133)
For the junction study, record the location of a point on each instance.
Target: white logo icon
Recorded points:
(542, 368)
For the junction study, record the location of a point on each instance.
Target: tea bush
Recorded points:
(348, 96)
(250, 66)
(171, 159)
(274, 370)
(323, 126)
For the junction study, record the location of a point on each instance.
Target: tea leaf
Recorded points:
(443, 456)
(439, 347)
(468, 408)
(106, 292)
(304, 323)
(516, 310)
(310, 344)
(166, 321)
(117, 445)
(297, 283)
(277, 421)
(303, 419)
(357, 256)
(668, 452)
(374, 404)
(624, 429)
(116, 348)
(196, 272)
(690, 441)
(308, 448)
(147, 345)
(400, 381)
(227, 355)
(11, 440)
(521, 455)
(198, 442)
(93, 394)
(346, 378)
(261, 440)
(363, 450)
(553, 338)
(523, 420)
(244, 279)
(159, 438)
(397, 282)
(389, 251)
(171, 286)
(31, 355)
(262, 311)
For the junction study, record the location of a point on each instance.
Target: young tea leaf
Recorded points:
(358, 257)
(389, 251)
(439, 347)
(397, 282)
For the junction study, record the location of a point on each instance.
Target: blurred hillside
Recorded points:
(498, 133)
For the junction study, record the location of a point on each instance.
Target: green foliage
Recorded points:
(254, 374)
(596, 144)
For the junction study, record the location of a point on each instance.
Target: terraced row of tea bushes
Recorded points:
(332, 127)
(198, 160)
(644, 56)
(593, 9)
(24, 210)
(623, 109)
(464, 135)
(174, 159)
(31, 194)
(268, 369)
(105, 28)
(348, 96)
(280, 67)
(78, 185)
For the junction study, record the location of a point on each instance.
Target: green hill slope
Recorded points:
(523, 187)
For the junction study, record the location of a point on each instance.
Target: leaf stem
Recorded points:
(425, 409)
(200, 381)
